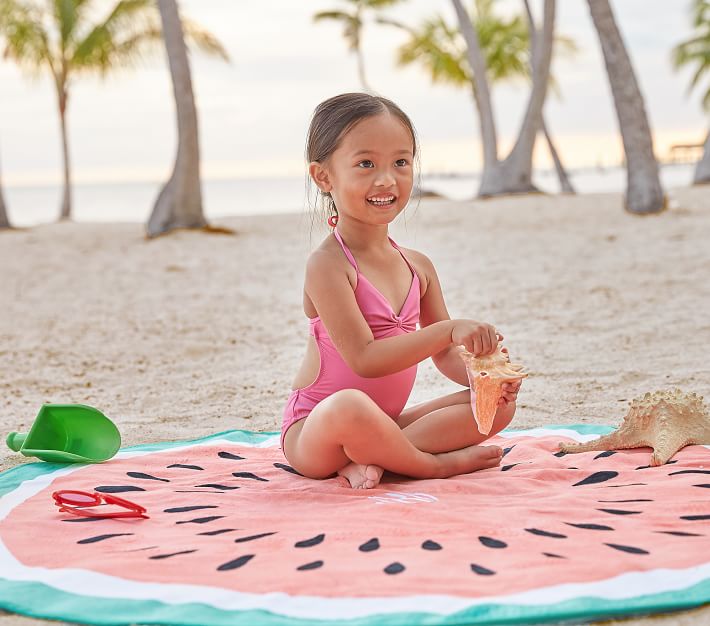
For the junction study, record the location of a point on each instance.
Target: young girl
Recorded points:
(365, 297)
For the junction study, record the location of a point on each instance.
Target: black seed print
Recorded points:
(481, 571)
(141, 549)
(307, 566)
(194, 491)
(183, 466)
(211, 533)
(604, 454)
(229, 455)
(597, 477)
(117, 488)
(698, 471)
(185, 509)
(431, 545)
(695, 518)
(309, 543)
(573, 468)
(83, 519)
(505, 468)
(146, 476)
(214, 486)
(201, 520)
(489, 542)
(287, 468)
(369, 546)
(545, 533)
(103, 537)
(394, 568)
(159, 557)
(619, 512)
(252, 537)
(506, 450)
(705, 485)
(552, 555)
(640, 467)
(249, 475)
(559, 454)
(631, 500)
(679, 533)
(627, 485)
(629, 549)
(590, 526)
(242, 560)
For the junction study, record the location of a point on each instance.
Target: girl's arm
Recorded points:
(330, 290)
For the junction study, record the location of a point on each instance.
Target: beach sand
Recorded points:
(192, 334)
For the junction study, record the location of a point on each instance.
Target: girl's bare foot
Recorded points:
(362, 476)
(468, 460)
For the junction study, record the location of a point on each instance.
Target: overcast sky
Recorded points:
(254, 111)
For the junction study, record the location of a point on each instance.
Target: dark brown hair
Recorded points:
(334, 117)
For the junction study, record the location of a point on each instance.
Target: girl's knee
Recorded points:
(353, 408)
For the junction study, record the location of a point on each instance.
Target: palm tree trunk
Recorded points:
(65, 213)
(482, 96)
(565, 183)
(702, 169)
(4, 221)
(643, 189)
(516, 169)
(179, 204)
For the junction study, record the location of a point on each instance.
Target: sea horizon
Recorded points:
(132, 201)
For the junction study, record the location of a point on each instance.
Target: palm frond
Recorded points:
(27, 42)
(340, 16)
(203, 40)
(130, 33)
(695, 51)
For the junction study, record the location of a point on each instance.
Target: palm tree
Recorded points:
(643, 187)
(696, 52)
(506, 43)
(353, 23)
(63, 37)
(179, 204)
(514, 173)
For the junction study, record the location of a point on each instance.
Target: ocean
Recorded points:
(133, 201)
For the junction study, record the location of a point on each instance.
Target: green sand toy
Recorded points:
(68, 433)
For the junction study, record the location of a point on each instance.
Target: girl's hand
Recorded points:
(479, 338)
(510, 392)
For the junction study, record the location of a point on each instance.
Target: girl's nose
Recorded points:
(385, 179)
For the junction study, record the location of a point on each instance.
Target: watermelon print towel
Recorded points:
(237, 537)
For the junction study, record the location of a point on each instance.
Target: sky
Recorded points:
(254, 111)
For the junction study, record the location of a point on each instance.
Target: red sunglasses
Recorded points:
(75, 502)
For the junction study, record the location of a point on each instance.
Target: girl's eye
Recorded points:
(366, 163)
(401, 162)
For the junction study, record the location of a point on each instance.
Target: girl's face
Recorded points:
(370, 174)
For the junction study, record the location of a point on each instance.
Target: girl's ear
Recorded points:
(320, 176)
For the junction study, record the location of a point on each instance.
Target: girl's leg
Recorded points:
(447, 423)
(348, 427)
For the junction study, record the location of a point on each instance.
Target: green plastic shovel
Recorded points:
(68, 433)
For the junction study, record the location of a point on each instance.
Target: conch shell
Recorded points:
(486, 376)
(664, 420)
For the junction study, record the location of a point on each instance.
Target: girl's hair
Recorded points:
(331, 121)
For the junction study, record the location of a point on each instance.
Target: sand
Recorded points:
(192, 334)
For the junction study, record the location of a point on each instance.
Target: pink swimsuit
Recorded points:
(389, 392)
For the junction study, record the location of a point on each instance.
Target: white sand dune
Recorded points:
(193, 334)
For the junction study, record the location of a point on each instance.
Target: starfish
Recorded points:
(664, 420)
(486, 376)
